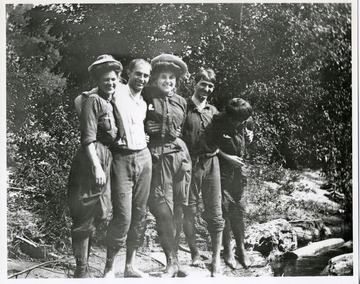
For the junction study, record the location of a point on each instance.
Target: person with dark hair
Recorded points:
(205, 182)
(89, 180)
(171, 161)
(231, 134)
(130, 174)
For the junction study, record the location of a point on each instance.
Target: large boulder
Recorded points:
(308, 231)
(341, 265)
(271, 239)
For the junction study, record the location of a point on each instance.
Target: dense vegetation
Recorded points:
(291, 61)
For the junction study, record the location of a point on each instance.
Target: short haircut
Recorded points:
(238, 109)
(206, 75)
(134, 62)
(98, 70)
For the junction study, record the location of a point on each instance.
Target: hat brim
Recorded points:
(170, 58)
(103, 60)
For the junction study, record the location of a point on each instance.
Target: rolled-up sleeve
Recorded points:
(89, 121)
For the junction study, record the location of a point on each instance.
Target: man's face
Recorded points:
(203, 89)
(139, 76)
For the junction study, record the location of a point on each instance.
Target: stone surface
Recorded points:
(341, 265)
(310, 231)
(317, 247)
(271, 239)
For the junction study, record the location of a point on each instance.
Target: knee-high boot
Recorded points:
(81, 253)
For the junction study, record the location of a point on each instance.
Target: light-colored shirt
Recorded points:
(200, 105)
(133, 112)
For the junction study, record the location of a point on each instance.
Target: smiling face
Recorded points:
(139, 76)
(203, 89)
(166, 81)
(107, 82)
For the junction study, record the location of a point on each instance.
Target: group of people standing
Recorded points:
(145, 146)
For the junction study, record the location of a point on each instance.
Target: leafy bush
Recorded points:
(43, 163)
(291, 61)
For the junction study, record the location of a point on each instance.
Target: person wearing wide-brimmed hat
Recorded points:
(171, 177)
(89, 180)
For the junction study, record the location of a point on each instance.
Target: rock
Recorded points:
(272, 238)
(348, 245)
(39, 252)
(316, 248)
(309, 230)
(341, 265)
(256, 259)
(33, 249)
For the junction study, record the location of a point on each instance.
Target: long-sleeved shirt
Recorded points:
(133, 112)
(169, 111)
(197, 132)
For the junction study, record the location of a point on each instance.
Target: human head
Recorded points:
(106, 73)
(205, 83)
(104, 63)
(206, 74)
(238, 110)
(168, 63)
(139, 74)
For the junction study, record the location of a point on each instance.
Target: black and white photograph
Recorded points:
(213, 141)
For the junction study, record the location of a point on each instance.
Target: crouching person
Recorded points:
(231, 135)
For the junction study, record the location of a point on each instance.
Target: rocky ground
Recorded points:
(151, 259)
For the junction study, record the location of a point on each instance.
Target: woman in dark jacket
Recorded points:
(171, 176)
(89, 181)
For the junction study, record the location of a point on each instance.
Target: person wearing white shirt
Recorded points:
(131, 173)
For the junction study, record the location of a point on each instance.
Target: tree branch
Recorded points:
(37, 266)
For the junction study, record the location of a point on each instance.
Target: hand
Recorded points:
(100, 177)
(235, 161)
(153, 127)
(147, 138)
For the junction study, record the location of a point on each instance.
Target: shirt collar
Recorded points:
(199, 105)
(104, 96)
(137, 98)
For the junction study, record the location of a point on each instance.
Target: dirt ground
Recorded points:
(152, 260)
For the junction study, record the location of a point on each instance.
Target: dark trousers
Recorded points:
(206, 185)
(89, 203)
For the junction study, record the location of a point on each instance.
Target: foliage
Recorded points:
(269, 197)
(291, 61)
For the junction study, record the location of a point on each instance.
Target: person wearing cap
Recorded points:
(131, 173)
(205, 182)
(171, 176)
(232, 131)
(89, 194)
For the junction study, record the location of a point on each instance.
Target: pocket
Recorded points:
(105, 122)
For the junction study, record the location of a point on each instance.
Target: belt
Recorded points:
(160, 142)
(124, 150)
(204, 156)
